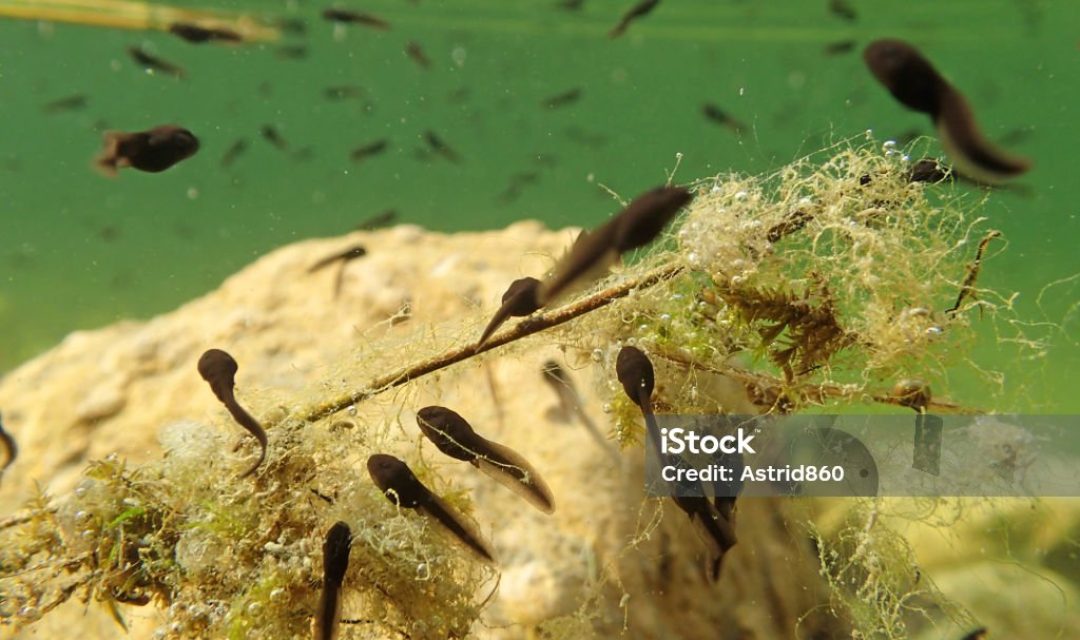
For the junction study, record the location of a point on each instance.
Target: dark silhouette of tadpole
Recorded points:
(401, 487)
(198, 35)
(916, 84)
(11, 450)
(219, 370)
(518, 300)
(639, 10)
(342, 258)
(152, 151)
(455, 437)
(635, 372)
(570, 403)
(355, 17)
(154, 63)
(594, 251)
(336, 549)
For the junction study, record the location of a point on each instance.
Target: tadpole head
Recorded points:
(449, 432)
(336, 553)
(520, 296)
(396, 480)
(635, 372)
(908, 76)
(219, 370)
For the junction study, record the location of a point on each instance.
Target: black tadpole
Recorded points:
(518, 300)
(401, 487)
(594, 251)
(639, 10)
(635, 371)
(336, 549)
(916, 84)
(219, 370)
(455, 437)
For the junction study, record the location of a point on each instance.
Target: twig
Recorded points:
(968, 287)
(816, 391)
(22, 518)
(523, 329)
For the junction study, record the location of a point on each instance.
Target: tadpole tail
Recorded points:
(326, 623)
(497, 320)
(435, 508)
(976, 157)
(510, 469)
(245, 420)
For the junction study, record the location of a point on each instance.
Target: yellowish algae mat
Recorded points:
(819, 286)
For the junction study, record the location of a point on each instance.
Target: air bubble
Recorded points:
(423, 572)
(597, 355)
(606, 408)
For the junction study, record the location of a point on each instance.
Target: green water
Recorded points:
(80, 251)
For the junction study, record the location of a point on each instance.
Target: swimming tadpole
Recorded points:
(196, 34)
(401, 487)
(219, 369)
(916, 84)
(151, 151)
(595, 251)
(455, 437)
(636, 12)
(336, 549)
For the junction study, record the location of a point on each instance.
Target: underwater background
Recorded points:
(78, 250)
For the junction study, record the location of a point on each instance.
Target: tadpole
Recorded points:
(401, 487)
(518, 300)
(336, 549)
(455, 437)
(916, 84)
(219, 368)
(570, 402)
(594, 251)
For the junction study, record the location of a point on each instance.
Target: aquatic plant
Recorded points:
(821, 285)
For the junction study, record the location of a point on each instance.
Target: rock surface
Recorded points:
(113, 390)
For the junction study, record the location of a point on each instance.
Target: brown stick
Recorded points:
(820, 391)
(968, 287)
(525, 328)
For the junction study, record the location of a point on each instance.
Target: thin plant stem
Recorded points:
(523, 329)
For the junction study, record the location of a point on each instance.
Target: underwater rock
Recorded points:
(296, 340)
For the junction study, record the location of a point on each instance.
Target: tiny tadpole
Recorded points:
(636, 12)
(198, 35)
(154, 63)
(355, 17)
